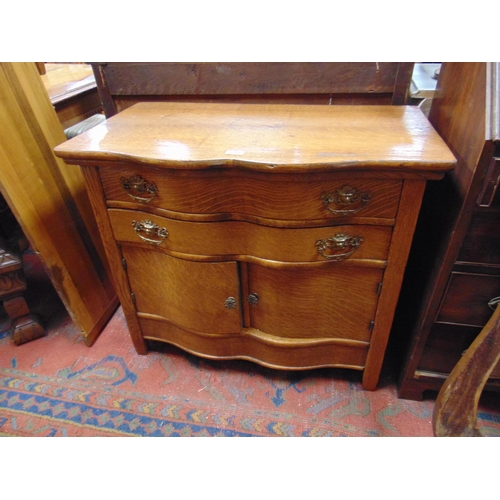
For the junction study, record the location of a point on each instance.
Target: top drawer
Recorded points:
(273, 196)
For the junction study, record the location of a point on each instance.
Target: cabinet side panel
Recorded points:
(96, 195)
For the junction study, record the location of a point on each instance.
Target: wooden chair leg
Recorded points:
(455, 412)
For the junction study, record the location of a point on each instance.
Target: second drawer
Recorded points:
(236, 238)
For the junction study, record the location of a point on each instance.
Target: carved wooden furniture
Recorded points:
(273, 233)
(25, 326)
(453, 275)
(122, 84)
(455, 411)
(49, 200)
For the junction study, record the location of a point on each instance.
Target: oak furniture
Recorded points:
(121, 84)
(273, 233)
(453, 276)
(49, 200)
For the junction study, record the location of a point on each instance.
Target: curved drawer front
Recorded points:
(237, 238)
(272, 196)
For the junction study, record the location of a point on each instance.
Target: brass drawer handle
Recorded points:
(338, 242)
(137, 187)
(346, 197)
(151, 229)
(230, 303)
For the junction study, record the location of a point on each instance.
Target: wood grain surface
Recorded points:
(186, 135)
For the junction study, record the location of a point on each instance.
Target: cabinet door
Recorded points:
(199, 296)
(314, 302)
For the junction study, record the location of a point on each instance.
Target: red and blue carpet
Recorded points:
(57, 386)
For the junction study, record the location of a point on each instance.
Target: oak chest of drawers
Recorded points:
(273, 233)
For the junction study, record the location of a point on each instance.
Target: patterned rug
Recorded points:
(57, 386)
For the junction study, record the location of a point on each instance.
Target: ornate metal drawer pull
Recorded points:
(230, 303)
(139, 189)
(151, 229)
(346, 197)
(253, 299)
(493, 303)
(339, 242)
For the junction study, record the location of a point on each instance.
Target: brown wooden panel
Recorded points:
(261, 195)
(260, 348)
(239, 239)
(445, 345)
(120, 103)
(190, 294)
(466, 299)
(482, 241)
(49, 200)
(122, 84)
(455, 412)
(248, 78)
(334, 302)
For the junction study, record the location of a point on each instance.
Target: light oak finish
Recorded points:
(248, 241)
(251, 197)
(50, 201)
(239, 246)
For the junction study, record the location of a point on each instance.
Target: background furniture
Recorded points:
(24, 325)
(454, 268)
(122, 84)
(72, 91)
(455, 412)
(274, 233)
(49, 200)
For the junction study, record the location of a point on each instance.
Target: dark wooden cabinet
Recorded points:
(453, 274)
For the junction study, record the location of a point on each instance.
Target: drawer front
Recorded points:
(237, 239)
(466, 299)
(481, 245)
(445, 346)
(277, 196)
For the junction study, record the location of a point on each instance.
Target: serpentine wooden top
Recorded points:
(265, 137)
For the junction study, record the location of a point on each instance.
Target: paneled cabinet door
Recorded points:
(198, 296)
(314, 302)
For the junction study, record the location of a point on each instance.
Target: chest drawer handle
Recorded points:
(139, 189)
(336, 243)
(153, 233)
(346, 197)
